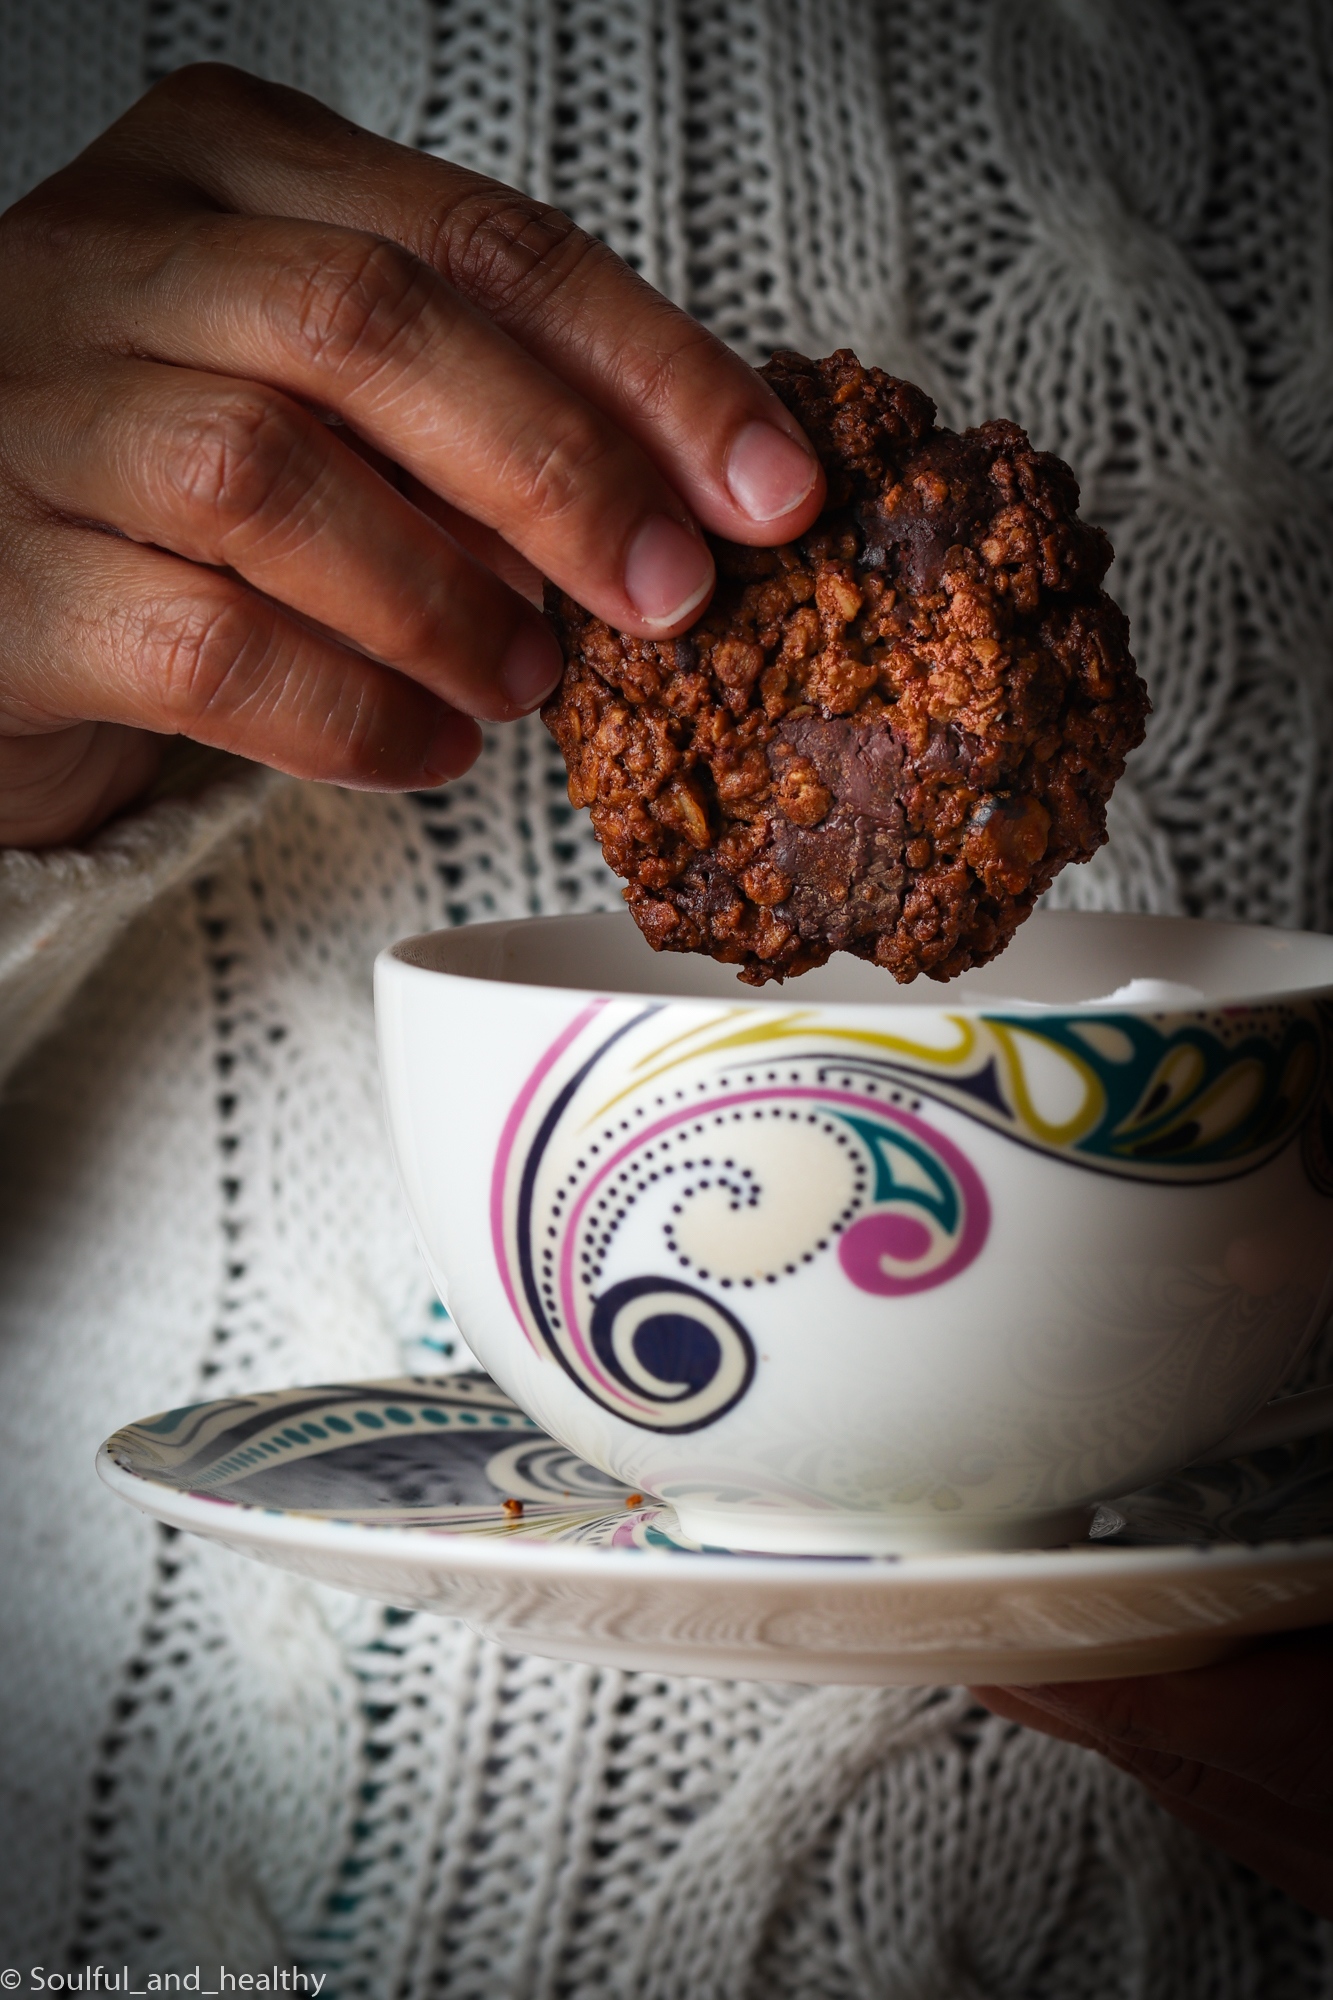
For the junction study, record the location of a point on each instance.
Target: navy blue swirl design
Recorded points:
(665, 1340)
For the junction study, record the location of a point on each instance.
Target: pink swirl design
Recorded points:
(885, 1252)
(506, 1146)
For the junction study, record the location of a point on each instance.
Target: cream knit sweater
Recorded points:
(1108, 218)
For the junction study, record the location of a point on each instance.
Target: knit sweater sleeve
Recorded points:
(61, 909)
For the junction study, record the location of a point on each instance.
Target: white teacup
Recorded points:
(844, 1267)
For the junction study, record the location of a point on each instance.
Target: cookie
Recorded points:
(886, 737)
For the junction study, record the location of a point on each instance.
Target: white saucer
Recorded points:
(396, 1490)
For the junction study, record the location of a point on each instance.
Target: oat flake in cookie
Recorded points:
(887, 737)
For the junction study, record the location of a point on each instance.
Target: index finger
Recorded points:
(718, 433)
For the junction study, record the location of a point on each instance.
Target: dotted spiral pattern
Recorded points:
(740, 1178)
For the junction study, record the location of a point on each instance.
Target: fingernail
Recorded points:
(668, 571)
(768, 472)
(532, 665)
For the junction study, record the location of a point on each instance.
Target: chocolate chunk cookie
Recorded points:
(885, 738)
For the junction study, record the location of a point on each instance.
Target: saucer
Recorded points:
(441, 1495)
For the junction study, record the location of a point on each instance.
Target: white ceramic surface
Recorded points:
(849, 1267)
(398, 1490)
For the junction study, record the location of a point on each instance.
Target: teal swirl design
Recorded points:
(1176, 1097)
(1185, 1096)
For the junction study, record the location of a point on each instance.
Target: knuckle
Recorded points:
(360, 743)
(498, 245)
(203, 659)
(418, 626)
(236, 101)
(555, 473)
(227, 466)
(353, 305)
(219, 86)
(45, 226)
(656, 369)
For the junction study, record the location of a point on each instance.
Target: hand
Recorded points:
(290, 416)
(1241, 1752)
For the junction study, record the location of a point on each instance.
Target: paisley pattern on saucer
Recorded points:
(454, 1455)
(432, 1455)
(1282, 1493)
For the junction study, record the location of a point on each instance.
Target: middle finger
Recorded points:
(358, 325)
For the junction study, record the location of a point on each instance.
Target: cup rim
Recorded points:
(413, 955)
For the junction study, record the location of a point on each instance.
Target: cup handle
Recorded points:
(1283, 1422)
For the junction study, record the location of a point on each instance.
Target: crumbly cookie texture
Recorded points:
(885, 738)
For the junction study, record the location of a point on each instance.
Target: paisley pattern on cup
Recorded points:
(1184, 1097)
(660, 1163)
(632, 1211)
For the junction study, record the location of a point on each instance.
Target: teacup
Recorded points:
(844, 1267)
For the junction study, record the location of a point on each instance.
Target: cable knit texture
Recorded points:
(1109, 219)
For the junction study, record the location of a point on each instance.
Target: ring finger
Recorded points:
(132, 635)
(233, 474)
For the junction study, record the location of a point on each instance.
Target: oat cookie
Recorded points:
(887, 737)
